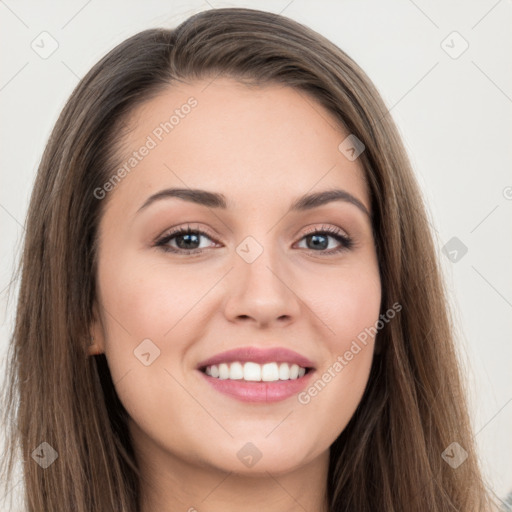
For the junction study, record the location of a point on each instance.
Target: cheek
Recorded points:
(146, 299)
(348, 304)
(140, 304)
(350, 310)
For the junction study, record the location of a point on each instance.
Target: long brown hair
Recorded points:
(389, 457)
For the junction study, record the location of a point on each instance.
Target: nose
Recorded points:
(262, 292)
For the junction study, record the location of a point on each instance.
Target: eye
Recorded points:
(187, 241)
(319, 239)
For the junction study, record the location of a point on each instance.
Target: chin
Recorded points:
(261, 456)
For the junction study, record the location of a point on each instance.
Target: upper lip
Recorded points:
(258, 355)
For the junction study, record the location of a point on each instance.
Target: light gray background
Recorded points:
(454, 115)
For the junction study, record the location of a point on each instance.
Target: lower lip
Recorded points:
(259, 391)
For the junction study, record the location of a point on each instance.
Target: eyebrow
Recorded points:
(216, 200)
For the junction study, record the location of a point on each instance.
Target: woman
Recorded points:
(268, 368)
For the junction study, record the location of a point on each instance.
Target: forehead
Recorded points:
(246, 141)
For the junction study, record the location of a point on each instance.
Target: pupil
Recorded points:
(316, 244)
(187, 237)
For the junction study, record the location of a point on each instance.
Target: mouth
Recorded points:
(257, 375)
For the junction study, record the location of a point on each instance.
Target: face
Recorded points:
(253, 273)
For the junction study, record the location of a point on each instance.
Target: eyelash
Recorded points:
(346, 242)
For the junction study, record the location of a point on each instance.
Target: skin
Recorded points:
(262, 148)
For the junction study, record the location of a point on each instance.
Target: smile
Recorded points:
(254, 372)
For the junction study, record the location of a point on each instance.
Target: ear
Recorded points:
(97, 337)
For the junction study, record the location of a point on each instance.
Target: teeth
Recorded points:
(255, 372)
(269, 372)
(223, 371)
(236, 371)
(252, 371)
